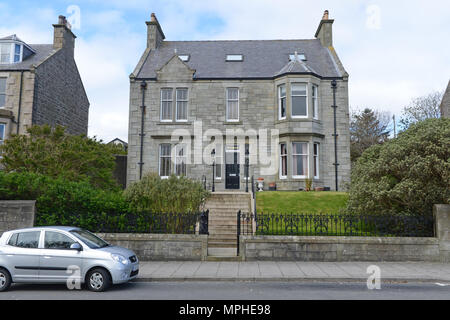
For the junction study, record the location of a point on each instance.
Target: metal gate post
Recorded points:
(238, 229)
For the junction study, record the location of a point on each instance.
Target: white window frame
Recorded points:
(279, 101)
(166, 100)
(302, 155)
(165, 156)
(301, 56)
(306, 98)
(234, 57)
(315, 101)
(12, 52)
(4, 93)
(184, 57)
(316, 160)
(182, 146)
(176, 104)
(281, 160)
(232, 100)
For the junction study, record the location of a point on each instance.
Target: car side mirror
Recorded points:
(76, 246)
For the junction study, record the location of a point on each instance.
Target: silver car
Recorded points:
(63, 255)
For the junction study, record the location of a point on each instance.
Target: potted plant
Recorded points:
(272, 186)
(260, 184)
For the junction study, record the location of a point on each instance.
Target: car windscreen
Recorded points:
(90, 239)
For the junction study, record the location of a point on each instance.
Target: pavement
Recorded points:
(292, 271)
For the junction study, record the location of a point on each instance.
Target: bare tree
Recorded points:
(367, 128)
(422, 108)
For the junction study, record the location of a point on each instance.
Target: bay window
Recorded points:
(282, 102)
(283, 161)
(315, 102)
(316, 161)
(300, 159)
(299, 100)
(2, 92)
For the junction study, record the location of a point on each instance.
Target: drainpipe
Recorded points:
(141, 163)
(20, 101)
(335, 135)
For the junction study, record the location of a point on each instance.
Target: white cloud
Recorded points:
(404, 58)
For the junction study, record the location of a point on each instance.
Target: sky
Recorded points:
(394, 51)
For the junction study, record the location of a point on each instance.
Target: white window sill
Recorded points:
(299, 177)
(283, 177)
(299, 117)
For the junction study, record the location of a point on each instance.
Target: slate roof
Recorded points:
(262, 58)
(41, 52)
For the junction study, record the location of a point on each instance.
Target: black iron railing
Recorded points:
(146, 222)
(385, 225)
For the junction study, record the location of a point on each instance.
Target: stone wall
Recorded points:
(16, 215)
(435, 249)
(165, 247)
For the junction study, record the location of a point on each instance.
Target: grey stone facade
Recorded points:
(45, 87)
(258, 107)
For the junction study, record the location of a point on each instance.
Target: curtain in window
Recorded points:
(300, 159)
(164, 167)
(232, 104)
(182, 101)
(166, 104)
(283, 160)
(180, 160)
(299, 105)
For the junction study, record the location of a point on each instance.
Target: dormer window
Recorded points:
(184, 57)
(301, 56)
(10, 53)
(235, 57)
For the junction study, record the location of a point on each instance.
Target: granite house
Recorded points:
(296, 88)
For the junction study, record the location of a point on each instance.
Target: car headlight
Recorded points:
(119, 258)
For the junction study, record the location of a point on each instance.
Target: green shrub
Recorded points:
(175, 194)
(54, 153)
(63, 202)
(407, 174)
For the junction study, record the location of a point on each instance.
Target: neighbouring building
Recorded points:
(40, 84)
(119, 142)
(298, 87)
(445, 104)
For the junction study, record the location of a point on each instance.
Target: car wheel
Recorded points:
(5, 280)
(98, 280)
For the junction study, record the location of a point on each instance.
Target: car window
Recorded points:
(57, 240)
(91, 240)
(25, 239)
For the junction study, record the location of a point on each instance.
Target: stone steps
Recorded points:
(222, 225)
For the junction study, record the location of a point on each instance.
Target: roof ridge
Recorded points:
(261, 40)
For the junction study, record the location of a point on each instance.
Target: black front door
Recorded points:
(232, 170)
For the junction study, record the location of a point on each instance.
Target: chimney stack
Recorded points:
(63, 38)
(155, 35)
(325, 30)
